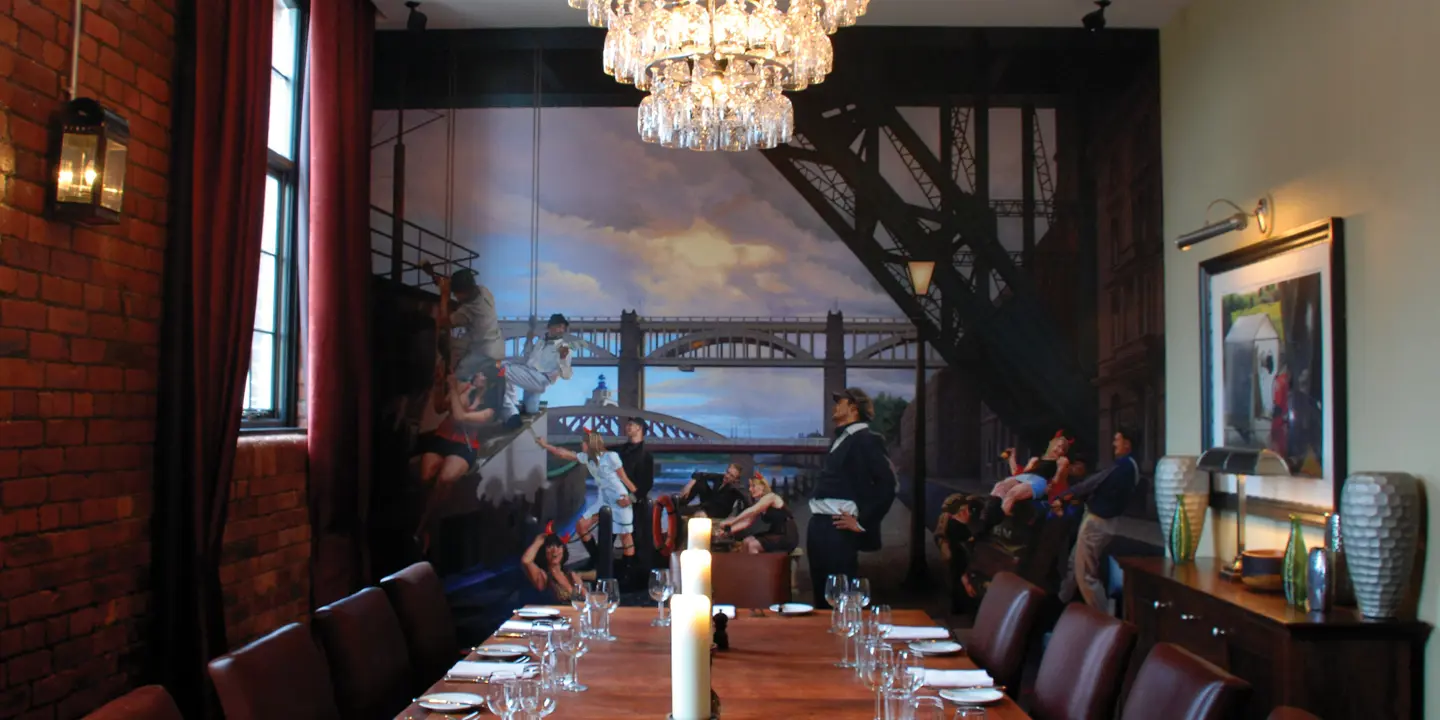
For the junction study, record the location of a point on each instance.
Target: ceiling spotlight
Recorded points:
(416, 21)
(1095, 20)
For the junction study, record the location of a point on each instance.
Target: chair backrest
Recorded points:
(150, 702)
(368, 656)
(280, 675)
(1083, 667)
(1002, 627)
(1176, 685)
(418, 597)
(1284, 712)
(745, 580)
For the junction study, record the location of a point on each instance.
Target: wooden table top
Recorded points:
(776, 667)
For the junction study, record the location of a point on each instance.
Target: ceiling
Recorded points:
(453, 14)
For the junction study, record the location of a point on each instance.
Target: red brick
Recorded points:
(64, 432)
(55, 404)
(27, 667)
(22, 314)
(9, 463)
(27, 403)
(36, 17)
(21, 373)
(42, 461)
(19, 493)
(21, 433)
(83, 404)
(68, 264)
(104, 378)
(61, 291)
(13, 343)
(85, 350)
(64, 320)
(44, 346)
(62, 376)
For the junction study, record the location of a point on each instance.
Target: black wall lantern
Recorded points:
(89, 146)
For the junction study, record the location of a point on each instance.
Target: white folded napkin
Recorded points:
(474, 669)
(958, 678)
(917, 632)
(521, 626)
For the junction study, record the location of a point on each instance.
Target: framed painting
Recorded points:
(1272, 329)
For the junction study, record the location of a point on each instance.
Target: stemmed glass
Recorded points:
(884, 618)
(927, 707)
(861, 586)
(577, 598)
(499, 693)
(835, 585)
(660, 591)
(570, 642)
(539, 639)
(909, 671)
(879, 671)
(850, 621)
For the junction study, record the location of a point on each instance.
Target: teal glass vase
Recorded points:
(1294, 568)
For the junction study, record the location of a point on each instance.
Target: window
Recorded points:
(274, 360)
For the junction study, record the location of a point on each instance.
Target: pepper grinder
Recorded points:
(722, 639)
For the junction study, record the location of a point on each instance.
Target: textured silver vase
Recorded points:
(1177, 481)
(1380, 535)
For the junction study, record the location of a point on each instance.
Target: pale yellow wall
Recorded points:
(1333, 108)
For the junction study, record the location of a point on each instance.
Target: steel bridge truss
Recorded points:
(982, 312)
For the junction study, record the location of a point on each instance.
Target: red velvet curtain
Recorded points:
(338, 361)
(212, 269)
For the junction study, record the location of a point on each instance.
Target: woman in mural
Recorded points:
(1039, 476)
(615, 489)
(447, 453)
(779, 534)
(544, 565)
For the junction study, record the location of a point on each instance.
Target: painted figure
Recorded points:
(615, 489)
(546, 362)
(447, 453)
(1035, 481)
(777, 532)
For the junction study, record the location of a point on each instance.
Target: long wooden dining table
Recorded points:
(775, 667)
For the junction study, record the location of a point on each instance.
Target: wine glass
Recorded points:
(909, 670)
(862, 586)
(539, 638)
(577, 598)
(884, 618)
(660, 591)
(927, 707)
(572, 643)
(501, 695)
(879, 669)
(834, 586)
(850, 621)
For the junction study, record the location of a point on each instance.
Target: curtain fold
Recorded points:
(212, 270)
(338, 361)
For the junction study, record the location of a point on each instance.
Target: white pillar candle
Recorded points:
(690, 657)
(699, 533)
(695, 572)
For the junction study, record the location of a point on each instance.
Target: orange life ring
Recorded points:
(665, 533)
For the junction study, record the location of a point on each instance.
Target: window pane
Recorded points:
(270, 230)
(262, 365)
(283, 49)
(267, 293)
(282, 115)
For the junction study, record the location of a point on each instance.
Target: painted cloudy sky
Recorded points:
(625, 225)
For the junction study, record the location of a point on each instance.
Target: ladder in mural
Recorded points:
(983, 312)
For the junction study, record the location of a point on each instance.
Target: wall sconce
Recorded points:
(89, 148)
(1264, 220)
(921, 272)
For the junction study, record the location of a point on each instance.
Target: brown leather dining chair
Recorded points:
(369, 660)
(418, 597)
(1083, 666)
(150, 702)
(281, 675)
(1176, 685)
(1002, 628)
(745, 580)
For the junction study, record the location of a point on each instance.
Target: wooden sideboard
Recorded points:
(1337, 665)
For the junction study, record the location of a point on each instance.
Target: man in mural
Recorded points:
(720, 496)
(855, 489)
(639, 466)
(1108, 494)
(546, 362)
(472, 325)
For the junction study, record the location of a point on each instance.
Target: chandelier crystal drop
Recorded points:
(715, 70)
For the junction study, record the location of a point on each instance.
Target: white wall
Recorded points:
(1333, 108)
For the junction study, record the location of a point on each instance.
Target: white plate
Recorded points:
(976, 696)
(936, 647)
(502, 651)
(792, 609)
(537, 612)
(448, 702)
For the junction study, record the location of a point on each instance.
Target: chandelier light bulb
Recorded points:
(716, 70)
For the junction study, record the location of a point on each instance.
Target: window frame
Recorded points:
(287, 172)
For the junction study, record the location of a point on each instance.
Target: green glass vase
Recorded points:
(1294, 569)
(1180, 534)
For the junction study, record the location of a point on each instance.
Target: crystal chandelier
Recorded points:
(715, 69)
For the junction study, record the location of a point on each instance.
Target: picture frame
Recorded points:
(1272, 341)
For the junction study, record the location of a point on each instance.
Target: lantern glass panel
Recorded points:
(76, 179)
(921, 272)
(112, 187)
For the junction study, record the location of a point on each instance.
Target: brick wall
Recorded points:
(265, 569)
(79, 332)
